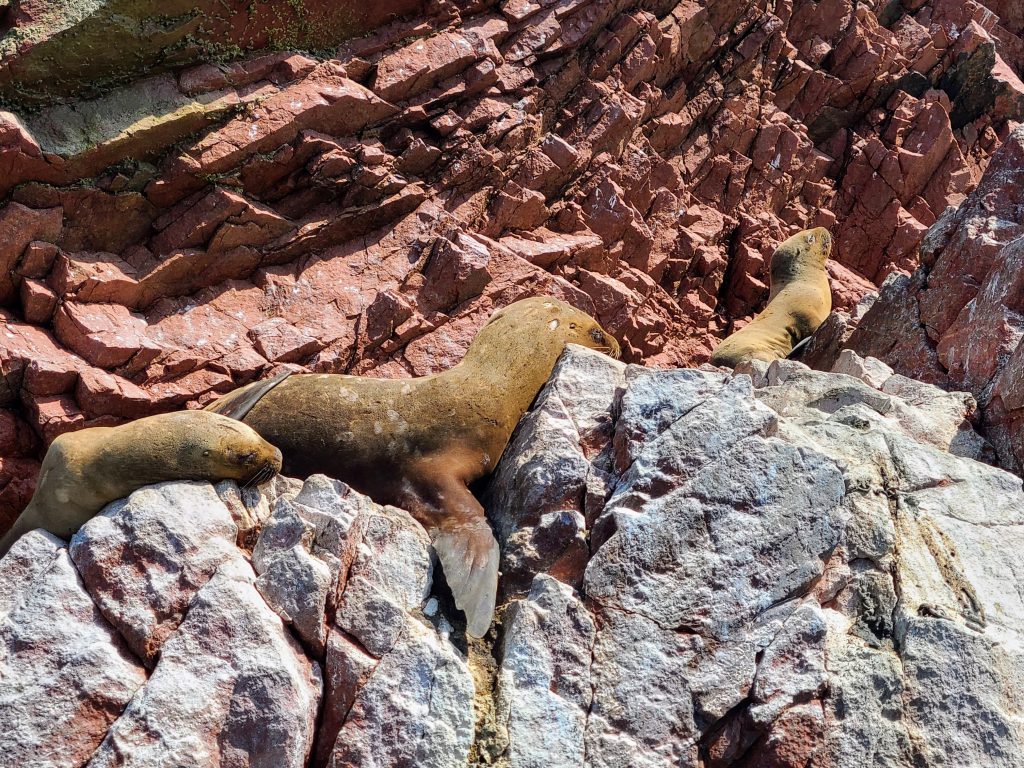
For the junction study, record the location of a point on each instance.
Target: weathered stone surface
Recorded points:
(796, 569)
(415, 706)
(305, 547)
(785, 571)
(782, 565)
(232, 687)
(365, 211)
(955, 320)
(145, 558)
(65, 675)
(544, 686)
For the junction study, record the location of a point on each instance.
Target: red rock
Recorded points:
(17, 484)
(184, 272)
(223, 219)
(954, 321)
(54, 415)
(33, 356)
(16, 437)
(37, 259)
(548, 249)
(387, 312)
(95, 278)
(278, 67)
(456, 271)
(94, 219)
(37, 301)
(518, 208)
(640, 163)
(424, 63)
(19, 226)
(281, 342)
(106, 335)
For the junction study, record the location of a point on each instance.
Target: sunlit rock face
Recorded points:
(773, 567)
(196, 193)
(955, 320)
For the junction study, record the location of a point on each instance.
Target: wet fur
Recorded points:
(799, 301)
(419, 443)
(84, 471)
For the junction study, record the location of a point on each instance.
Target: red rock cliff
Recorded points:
(178, 225)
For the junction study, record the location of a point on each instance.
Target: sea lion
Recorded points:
(419, 443)
(84, 471)
(799, 301)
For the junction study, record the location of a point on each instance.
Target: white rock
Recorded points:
(65, 674)
(231, 688)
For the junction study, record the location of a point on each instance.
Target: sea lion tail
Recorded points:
(237, 403)
(469, 556)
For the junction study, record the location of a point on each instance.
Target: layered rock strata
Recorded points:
(181, 215)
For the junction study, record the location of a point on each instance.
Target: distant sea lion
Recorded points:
(84, 471)
(799, 301)
(418, 443)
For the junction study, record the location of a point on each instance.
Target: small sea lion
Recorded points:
(84, 471)
(799, 301)
(418, 443)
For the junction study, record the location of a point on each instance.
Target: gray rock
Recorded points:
(775, 567)
(144, 558)
(231, 688)
(544, 688)
(65, 674)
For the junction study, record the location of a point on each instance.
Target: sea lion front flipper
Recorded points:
(469, 556)
(798, 349)
(237, 403)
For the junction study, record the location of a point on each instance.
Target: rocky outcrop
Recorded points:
(956, 320)
(184, 210)
(781, 567)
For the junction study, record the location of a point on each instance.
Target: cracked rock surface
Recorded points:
(193, 194)
(773, 567)
(956, 320)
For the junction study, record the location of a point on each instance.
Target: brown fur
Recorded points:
(799, 301)
(418, 443)
(84, 471)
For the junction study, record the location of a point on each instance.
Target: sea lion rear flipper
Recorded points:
(237, 403)
(469, 557)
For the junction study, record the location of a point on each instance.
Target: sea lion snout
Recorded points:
(818, 242)
(613, 348)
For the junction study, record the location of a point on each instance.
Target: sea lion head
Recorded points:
(214, 447)
(545, 321)
(811, 246)
(806, 250)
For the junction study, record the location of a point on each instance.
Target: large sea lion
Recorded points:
(418, 443)
(84, 471)
(799, 301)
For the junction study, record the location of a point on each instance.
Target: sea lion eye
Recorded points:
(206, 453)
(572, 326)
(597, 336)
(247, 457)
(810, 239)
